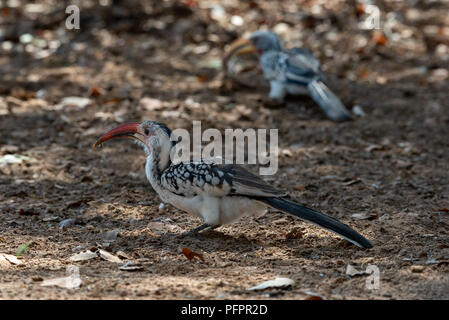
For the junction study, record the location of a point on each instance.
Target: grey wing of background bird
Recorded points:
(302, 67)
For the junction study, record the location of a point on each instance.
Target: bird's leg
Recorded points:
(201, 227)
(277, 93)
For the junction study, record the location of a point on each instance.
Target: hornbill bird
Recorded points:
(295, 71)
(220, 194)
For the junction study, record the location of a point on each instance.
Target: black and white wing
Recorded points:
(302, 67)
(199, 178)
(273, 64)
(193, 178)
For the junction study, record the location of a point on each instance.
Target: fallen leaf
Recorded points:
(313, 298)
(351, 182)
(82, 256)
(364, 216)
(123, 255)
(9, 149)
(3, 261)
(417, 269)
(130, 266)
(109, 257)
(410, 259)
(95, 92)
(313, 295)
(202, 79)
(11, 259)
(112, 100)
(13, 158)
(379, 38)
(77, 102)
(189, 254)
(360, 9)
(276, 283)
(364, 74)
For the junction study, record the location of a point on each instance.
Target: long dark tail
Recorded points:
(319, 219)
(328, 101)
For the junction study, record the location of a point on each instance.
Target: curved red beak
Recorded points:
(127, 130)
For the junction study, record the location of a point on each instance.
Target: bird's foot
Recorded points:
(198, 229)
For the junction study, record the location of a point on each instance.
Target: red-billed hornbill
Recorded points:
(219, 194)
(295, 71)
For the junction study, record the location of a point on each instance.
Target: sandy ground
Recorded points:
(390, 165)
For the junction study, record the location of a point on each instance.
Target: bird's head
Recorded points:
(259, 42)
(151, 135)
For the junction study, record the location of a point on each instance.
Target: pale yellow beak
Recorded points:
(238, 47)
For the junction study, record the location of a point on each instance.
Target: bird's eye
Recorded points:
(147, 131)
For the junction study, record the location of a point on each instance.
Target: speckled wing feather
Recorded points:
(296, 66)
(193, 178)
(246, 183)
(301, 62)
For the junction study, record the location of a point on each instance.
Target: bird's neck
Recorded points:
(157, 161)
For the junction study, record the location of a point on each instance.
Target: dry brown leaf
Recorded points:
(202, 79)
(3, 261)
(130, 266)
(109, 257)
(364, 216)
(313, 298)
(95, 92)
(276, 283)
(11, 259)
(123, 255)
(189, 254)
(379, 38)
(83, 256)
